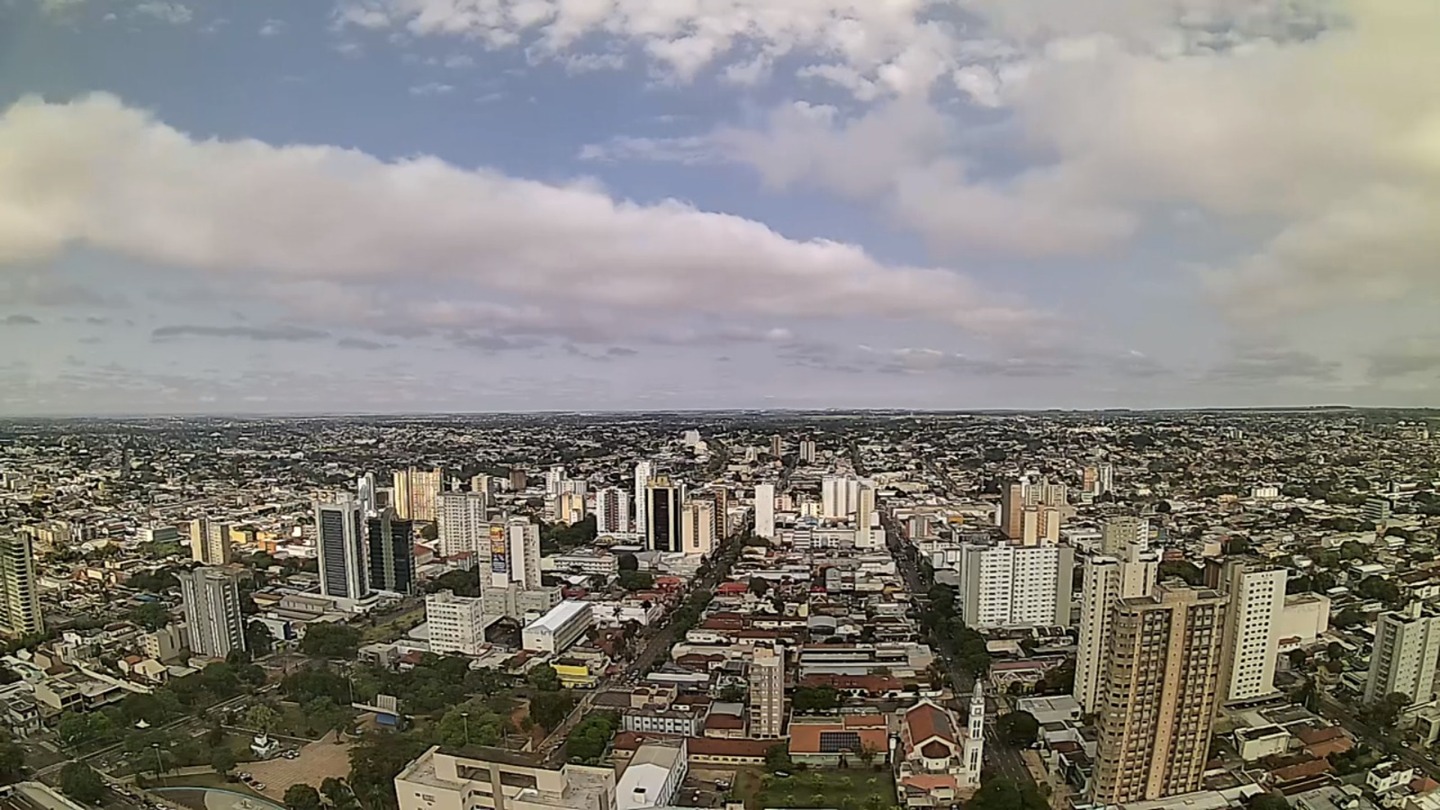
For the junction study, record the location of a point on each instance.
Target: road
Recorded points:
(1362, 729)
(999, 757)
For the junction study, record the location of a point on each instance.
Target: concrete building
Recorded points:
(210, 542)
(806, 451)
(557, 630)
(866, 536)
(663, 501)
(1407, 644)
(697, 531)
(1257, 599)
(839, 496)
(643, 471)
(391, 553)
(19, 592)
(1032, 510)
(494, 779)
(1006, 585)
(1119, 533)
(463, 523)
(612, 511)
(1107, 581)
(767, 693)
(765, 511)
(212, 612)
(1160, 694)
(417, 493)
(456, 623)
(653, 776)
(722, 513)
(340, 549)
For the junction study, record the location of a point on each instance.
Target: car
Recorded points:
(258, 785)
(245, 776)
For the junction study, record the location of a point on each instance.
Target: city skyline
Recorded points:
(401, 206)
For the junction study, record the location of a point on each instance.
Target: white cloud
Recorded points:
(98, 174)
(432, 89)
(164, 11)
(272, 27)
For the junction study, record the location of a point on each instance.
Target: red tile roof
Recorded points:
(925, 721)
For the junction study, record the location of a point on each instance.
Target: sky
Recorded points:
(372, 206)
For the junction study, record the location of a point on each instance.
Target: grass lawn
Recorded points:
(845, 789)
(394, 626)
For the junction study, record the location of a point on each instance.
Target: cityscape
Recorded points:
(742, 610)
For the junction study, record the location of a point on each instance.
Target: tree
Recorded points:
(628, 562)
(261, 718)
(461, 583)
(815, 699)
(544, 678)
(636, 580)
(1379, 588)
(339, 794)
(1018, 728)
(1386, 711)
(1335, 651)
(375, 762)
(1184, 570)
(80, 782)
(301, 796)
(150, 615)
(1349, 617)
(759, 586)
(331, 641)
(1267, 801)
(777, 759)
(548, 709)
(259, 639)
(999, 793)
(222, 759)
(12, 759)
(589, 739)
(1298, 659)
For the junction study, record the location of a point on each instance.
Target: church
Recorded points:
(939, 760)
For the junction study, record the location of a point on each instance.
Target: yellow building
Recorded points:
(576, 675)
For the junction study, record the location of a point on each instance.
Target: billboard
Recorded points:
(499, 551)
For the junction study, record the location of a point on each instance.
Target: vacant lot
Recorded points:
(844, 789)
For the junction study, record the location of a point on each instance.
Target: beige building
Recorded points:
(210, 542)
(416, 492)
(1107, 581)
(697, 531)
(1159, 695)
(501, 780)
(767, 693)
(19, 592)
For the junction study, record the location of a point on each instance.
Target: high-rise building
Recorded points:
(518, 480)
(839, 496)
(340, 549)
(210, 542)
(1107, 581)
(568, 507)
(1007, 585)
(1032, 509)
(1407, 644)
(765, 511)
(865, 535)
(514, 555)
(777, 446)
(643, 471)
(807, 451)
(365, 492)
(1106, 472)
(1119, 533)
(212, 612)
(767, 693)
(697, 532)
(482, 484)
(456, 623)
(1257, 598)
(554, 480)
(1376, 509)
(662, 514)
(463, 523)
(612, 510)
(722, 513)
(416, 492)
(19, 591)
(392, 553)
(1159, 695)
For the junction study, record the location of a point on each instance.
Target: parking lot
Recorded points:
(317, 760)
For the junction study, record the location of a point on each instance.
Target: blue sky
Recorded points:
(402, 205)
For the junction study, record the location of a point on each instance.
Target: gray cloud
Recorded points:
(20, 319)
(1261, 365)
(1417, 356)
(361, 344)
(281, 333)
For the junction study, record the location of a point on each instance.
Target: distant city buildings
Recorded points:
(463, 525)
(643, 471)
(767, 693)
(213, 617)
(1032, 510)
(765, 511)
(697, 535)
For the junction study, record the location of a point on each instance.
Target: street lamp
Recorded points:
(159, 767)
(465, 719)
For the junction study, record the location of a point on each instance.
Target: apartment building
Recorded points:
(501, 780)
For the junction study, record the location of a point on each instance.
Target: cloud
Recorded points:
(432, 89)
(272, 27)
(62, 10)
(691, 151)
(1264, 366)
(361, 344)
(98, 174)
(19, 319)
(282, 334)
(1414, 356)
(165, 12)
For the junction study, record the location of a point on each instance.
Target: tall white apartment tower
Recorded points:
(612, 510)
(765, 510)
(464, 522)
(19, 592)
(457, 623)
(1119, 533)
(210, 542)
(1107, 580)
(1407, 643)
(514, 555)
(767, 693)
(212, 612)
(643, 471)
(865, 536)
(340, 549)
(839, 496)
(1257, 598)
(365, 493)
(554, 480)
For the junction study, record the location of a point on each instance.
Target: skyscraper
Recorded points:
(210, 542)
(722, 513)
(463, 523)
(807, 451)
(697, 532)
(514, 557)
(416, 492)
(1407, 644)
(366, 493)
(765, 510)
(865, 537)
(212, 612)
(1009, 585)
(643, 471)
(839, 496)
(662, 515)
(1119, 533)
(1160, 694)
(1257, 598)
(1107, 581)
(19, 594)
(1032, 509)
(554, 480)
(767, 693)
(612, 510)
(340, 549)
(392, 553)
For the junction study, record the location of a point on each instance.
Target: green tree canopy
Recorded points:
(1018, 728)
(301, 796)
(80, 782)
(331, 641)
